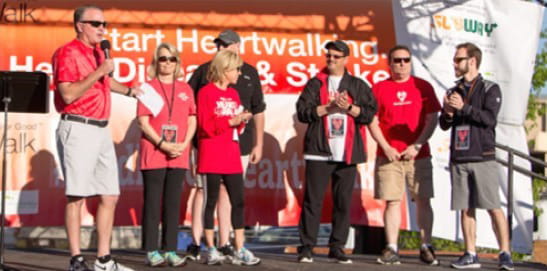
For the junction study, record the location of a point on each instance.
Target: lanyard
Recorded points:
(169, 103)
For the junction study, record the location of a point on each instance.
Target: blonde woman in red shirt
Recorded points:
(221, 120)
(164, 154)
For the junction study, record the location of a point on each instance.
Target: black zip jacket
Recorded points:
(479, 112)
(316, 141)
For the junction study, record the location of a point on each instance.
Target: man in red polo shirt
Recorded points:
(406, 119)
(82, 97)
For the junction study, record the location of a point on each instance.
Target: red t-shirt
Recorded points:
(402, 108)
(73, 62)
(218, 152)
(182, 108)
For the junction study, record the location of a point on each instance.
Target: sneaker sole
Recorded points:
(340, 262)
(387, 263)
(507, 268)
(306, 260)
(159, 264)
(193, 258)
(469, 266)
(433, 263)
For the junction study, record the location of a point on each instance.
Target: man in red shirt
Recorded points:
(406, 119)
(82, 97)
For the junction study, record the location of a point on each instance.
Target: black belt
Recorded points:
(76, 118)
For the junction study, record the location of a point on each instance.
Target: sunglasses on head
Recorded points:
(399, 60)
(95, 24)
(335, 56)
(166, 58)
(457, 60)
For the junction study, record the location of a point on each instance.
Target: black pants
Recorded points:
(162, 194)
(234, 187)
(318, 174)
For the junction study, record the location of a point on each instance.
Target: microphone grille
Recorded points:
(105, 45)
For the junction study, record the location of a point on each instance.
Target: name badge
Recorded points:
(337, 125)
(463, 137)
(169, 133)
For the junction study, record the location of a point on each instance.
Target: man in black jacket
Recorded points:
(336, 106)
(470, 109)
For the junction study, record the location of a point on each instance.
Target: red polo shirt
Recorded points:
(73, 62)
(183, 107)
(402, 108)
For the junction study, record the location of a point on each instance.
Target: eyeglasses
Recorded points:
(173, 59)
(335, 56)
(457, 60)
(95, 24)
(399, 60)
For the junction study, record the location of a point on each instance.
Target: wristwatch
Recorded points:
(417, 146)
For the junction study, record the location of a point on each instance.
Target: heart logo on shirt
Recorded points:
(183, 97)
(401, 95)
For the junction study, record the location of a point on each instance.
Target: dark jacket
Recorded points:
(250, 93)
(316, 141)
(480, 111)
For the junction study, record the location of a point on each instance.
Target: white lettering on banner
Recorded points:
(274, 44)
(294, 69)
(263, 67)
(44, 67)
(27, 67)
(141, 69)
(118, 61)
(253, 43)
(192, 40)
(131, 43)
(207, 44)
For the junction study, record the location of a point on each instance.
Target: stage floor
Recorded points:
(273, 258)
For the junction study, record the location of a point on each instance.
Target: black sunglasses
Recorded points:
(95, 24)
(399, 60)
(170, 59)
(335, 56)
(457, 60)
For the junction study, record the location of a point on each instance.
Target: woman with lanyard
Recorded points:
(164, 154)
(221, 120)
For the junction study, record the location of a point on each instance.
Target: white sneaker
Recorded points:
(111, 265)
(245, 257)
(214, 257)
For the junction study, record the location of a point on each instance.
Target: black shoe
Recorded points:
(389, 256)
(305, 254)
(338, 255)
(193, 252)
(227, 251)
(427, 255)
(78, 264)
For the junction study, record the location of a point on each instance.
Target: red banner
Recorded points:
(287, 50)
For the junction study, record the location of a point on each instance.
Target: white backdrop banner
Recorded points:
(508, 34)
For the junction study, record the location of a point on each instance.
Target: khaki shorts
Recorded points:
(88, 159)
(390, 177)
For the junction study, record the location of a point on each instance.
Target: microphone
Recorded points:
(105, 46)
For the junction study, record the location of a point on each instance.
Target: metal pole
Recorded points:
(510, 162)
(6, 101)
